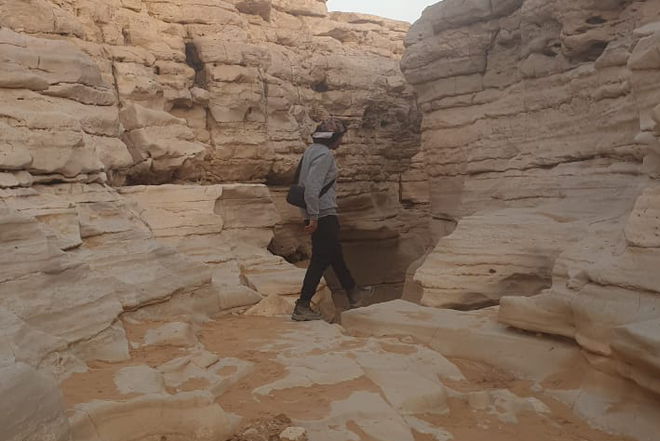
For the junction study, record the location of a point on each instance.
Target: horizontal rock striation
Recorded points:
(142, 92)
(540, 134)
(530, 134)
(219, 91)
(104, 104)
(81, 258)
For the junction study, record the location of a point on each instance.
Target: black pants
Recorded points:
(326, 251)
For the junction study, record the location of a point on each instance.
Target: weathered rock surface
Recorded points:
(534, 117)
(558, 367)
(540, 137)
(36, 410)
(81, 258)
(333, 385)
(228, 228)
(144, 92)
(135, 92)
(191, 415)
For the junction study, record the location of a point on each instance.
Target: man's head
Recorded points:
(330, 132)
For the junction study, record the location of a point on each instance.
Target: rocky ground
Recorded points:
(339, 383)
(530, 189)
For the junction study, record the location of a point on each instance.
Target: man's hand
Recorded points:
(311, 227)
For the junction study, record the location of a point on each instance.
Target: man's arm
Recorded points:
(314, 183)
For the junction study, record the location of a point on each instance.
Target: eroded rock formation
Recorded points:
(540, 134)
(133, 92)
(99, 101)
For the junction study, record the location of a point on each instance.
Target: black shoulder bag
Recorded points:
(296, 195)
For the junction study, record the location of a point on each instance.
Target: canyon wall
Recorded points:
(135, 141)
(146, 92)
(540, 133)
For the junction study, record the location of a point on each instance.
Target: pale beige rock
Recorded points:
(64, 239)
(504, 404)
(15, 179)
(54, 61)
(376, 418)
(492, 103)
(110, 345)
(615, 273)
(643, 228)
(271, 306)
(294, 434)
(225, 91)
(245, 71)
(423, 427)
(21, 343)
(86, 314)
(447, 331)
(229, 229)
(12, 157)
(140, 380)
(276, 279)
(36, 410)
(191, 416)
(477, 336)
(540, 135)
(314, 369)
(411, 394)
(58, 217)
(171, 334)
(218, 374)
(487, 256)
(72, 102)
(176, 211)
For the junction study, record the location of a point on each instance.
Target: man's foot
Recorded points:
(359, 295)
(303, 313)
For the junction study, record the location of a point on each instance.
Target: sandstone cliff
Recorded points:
(540, 132)
(215, 92)
(100, 101)
(133, 92)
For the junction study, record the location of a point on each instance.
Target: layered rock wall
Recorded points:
(102, 100)
(133, 92)
(213, 92)
(540, 134)
(80, 259)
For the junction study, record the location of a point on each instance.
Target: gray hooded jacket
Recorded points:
(318, 170)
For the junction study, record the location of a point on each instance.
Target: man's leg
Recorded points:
(321, 259)
(357, 295)
(337, 260)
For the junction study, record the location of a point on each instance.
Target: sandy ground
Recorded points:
(256, 339)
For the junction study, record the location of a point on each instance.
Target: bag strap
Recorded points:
(325, 189)
(296, 179)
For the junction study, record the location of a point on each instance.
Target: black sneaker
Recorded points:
(303, 313)
(360, 295)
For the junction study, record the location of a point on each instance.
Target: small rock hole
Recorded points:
(320, 86)
(595, 51)
(552, 50)
(596, 20)
(127, 36)
(193, 60)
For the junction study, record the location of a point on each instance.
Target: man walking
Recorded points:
(318, 176)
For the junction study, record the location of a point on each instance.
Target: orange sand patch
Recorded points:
(95, 384)
(561, 424)
(238, 337)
